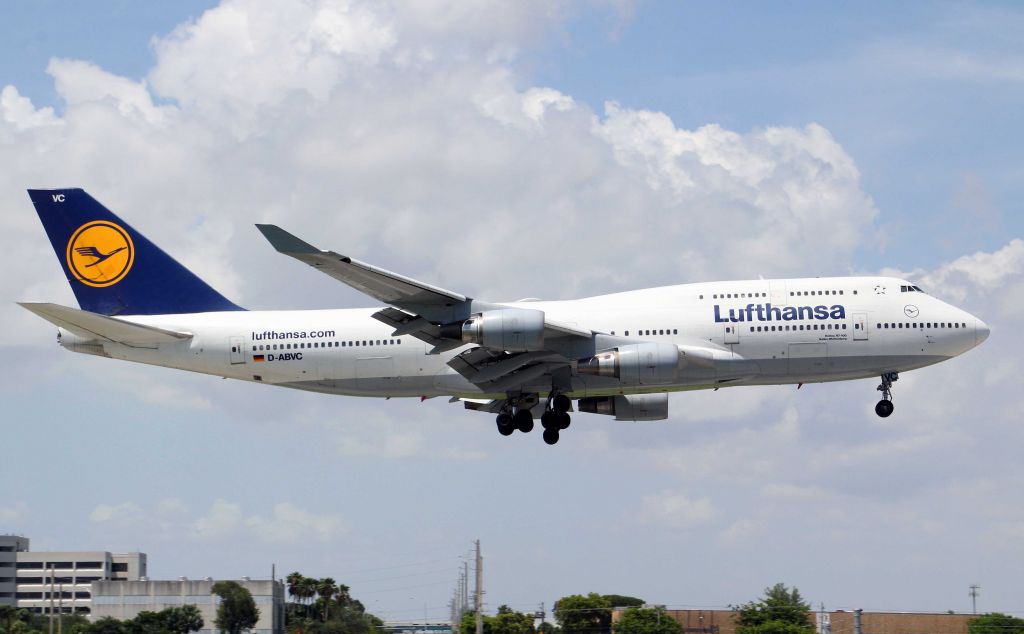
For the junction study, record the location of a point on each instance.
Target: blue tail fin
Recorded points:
(112, 268)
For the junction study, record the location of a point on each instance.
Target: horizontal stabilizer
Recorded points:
(94, 326)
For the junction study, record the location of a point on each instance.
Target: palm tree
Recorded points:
(326, 589)
(308, 588)
(294, 581)
(341, 595)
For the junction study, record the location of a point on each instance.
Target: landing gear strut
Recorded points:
(556, 417)
(884, 407)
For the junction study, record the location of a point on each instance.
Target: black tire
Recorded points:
(551, 436)
(523, 421)
(561, 403)
(505, 424)
(563, 420)
(884, 408)
(549, 420)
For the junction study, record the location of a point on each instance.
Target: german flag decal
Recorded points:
(258, 358)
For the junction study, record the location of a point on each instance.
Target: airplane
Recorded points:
(617, 355)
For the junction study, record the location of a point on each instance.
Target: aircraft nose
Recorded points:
(981, 331)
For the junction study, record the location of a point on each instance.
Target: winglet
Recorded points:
(285, 242)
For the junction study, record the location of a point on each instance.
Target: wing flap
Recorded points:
(100, 327)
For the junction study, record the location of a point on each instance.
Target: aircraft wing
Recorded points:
(388, 287)
(419, 309)
(102, 328)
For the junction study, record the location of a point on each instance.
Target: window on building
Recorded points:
(118, 566)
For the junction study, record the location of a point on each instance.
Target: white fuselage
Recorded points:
(761, 331)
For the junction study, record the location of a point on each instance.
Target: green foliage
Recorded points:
(237, 610)
(322, 606)
(578, 614)
(108, 625)
(468, 623)
(781, 611)
(647, 621)
(623, 601)
(508, 621)
(996, 623)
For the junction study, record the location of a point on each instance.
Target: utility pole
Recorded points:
(478, 601)
(974, 597)
(465, 585)
(51, 598)
(856, 622)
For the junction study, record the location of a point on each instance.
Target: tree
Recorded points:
(183, 620)
(468, 623)
(147, 622)
(237, 610)
(508, 621)
(996, 623)
(8, 614)
(781, 611)
(647, 621)
(294, 581)
(108, 625)
(578, 614)
(326, 588)
(623, 601)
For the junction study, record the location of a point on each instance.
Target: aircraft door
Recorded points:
(860, 327)
(237, 345)
(732, 334)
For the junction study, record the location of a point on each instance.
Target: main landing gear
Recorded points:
(508, 422)
(517, 416)
(884, 406)
(555, 417)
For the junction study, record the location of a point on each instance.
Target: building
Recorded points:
(125, 599)
(59, 582)
(835, 622)
(10, 546)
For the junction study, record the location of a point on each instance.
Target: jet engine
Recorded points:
(75, 343)
(511, 329)
(635, 407)
(635, 364)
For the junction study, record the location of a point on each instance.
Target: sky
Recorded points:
(527, 149)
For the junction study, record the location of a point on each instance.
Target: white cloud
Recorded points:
(290, 524)
(19, 111)
(221, 521)
(124, 513)
(676, 510)
(14, 514)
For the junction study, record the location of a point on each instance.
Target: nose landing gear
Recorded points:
(884, 407)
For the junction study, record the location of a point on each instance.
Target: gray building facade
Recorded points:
(60, 582)
(10, 546)
(125, 599)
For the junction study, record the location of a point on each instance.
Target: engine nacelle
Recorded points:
(74, 343)
(635, 364)
(635, 407)
(511, 329)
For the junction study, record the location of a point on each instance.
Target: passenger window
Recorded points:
(627, 333)
(844, 326)
(751, 329)
(675, 331)
(728, 329)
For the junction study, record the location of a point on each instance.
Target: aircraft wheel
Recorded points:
(884, 408)
(561, 403)
(505, 424)
(523, 421)
(549, 420)
(563, 420)
(551, 436)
